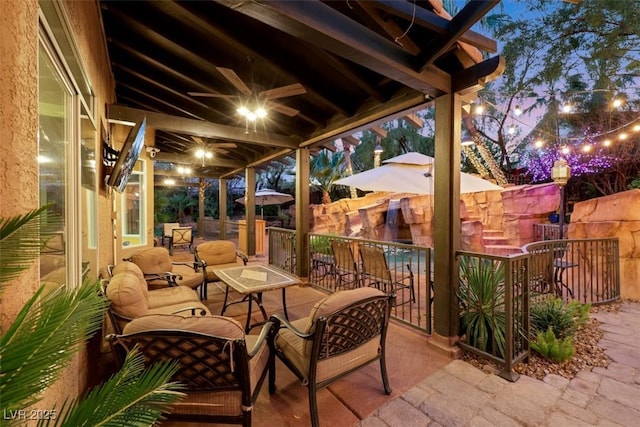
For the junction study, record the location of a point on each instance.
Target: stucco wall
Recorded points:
(19, 181)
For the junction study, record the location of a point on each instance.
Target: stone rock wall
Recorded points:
(525, 205)
(617, 215)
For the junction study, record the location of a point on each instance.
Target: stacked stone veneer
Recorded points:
(617, 215)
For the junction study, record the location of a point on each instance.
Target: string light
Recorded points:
(517, 111)
(512, 129)
(539, 143)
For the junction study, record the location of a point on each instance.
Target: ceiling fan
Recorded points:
(265, 96)
(218, 147)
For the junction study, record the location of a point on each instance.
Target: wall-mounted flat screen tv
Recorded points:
(128, 156)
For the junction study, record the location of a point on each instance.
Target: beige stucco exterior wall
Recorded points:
(19, 180)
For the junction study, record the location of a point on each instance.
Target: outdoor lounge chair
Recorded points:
(217, 254)
(222, 368)
(345, 268)
(181, 236)
(129, 299)
(166, 230)
(376, 272)
(160, 271)
(343, 332)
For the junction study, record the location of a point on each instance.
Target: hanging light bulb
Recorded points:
(587, 148)
(623, 136)
(517, 111)
(606, 142)
(566, 107)
(617, 103)
(512, 129)
(636, 128)
(479, 108)
(565, 150)
(539, 143)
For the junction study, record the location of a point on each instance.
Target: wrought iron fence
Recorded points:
(548, 231)
(338, 262)
(584, 270)
(494, 308)
(282, 249)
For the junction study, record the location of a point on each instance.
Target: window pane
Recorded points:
(53, 145)
(132, 202)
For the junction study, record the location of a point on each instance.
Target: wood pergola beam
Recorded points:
(201, 128)
(326, 28)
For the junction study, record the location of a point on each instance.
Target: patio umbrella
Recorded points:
(410, 173)
(268, 197)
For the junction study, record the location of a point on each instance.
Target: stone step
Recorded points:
(495, 240)
(487, 232)
(502, 249)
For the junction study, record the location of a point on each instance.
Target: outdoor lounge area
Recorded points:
(345, 213)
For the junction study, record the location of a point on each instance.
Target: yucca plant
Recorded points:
(481, 296)
(51, 327)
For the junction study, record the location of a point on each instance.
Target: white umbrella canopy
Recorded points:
(410, 173)
(267, 197)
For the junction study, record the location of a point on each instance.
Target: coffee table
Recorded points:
(251, 281)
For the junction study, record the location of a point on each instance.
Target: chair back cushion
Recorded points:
(167, 226)
(217, 252)
(153, 260)
(219, 326)
(128, 267)
(126, 292)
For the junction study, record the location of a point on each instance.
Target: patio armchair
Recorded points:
(217, 254)
(160, 271)
(222, 368)
(345, 268)
(181, 236)
(129, 298)
(343, 333)
(166, 230)
(376, 270)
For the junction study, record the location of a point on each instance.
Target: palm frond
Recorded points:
(134, 396)
(22, 238)
(49, 330)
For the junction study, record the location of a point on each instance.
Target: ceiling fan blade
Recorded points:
(223, 145)
(220, 150)
(234, 79)
(283, 91)
(197, 139)
(211, 95)
(280, 108)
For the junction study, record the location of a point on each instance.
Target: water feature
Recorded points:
(392, 222)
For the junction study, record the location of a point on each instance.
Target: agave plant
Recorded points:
(51, 327)
(481, 296)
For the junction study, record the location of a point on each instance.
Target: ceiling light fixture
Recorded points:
(251, 116)
(202, 154)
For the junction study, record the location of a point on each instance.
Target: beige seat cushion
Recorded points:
(218, 326)
(128, 266)
(172, 295)
(190, 277)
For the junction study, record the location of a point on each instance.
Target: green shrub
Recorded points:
(482, 304)
(551, 347)
(562, 318)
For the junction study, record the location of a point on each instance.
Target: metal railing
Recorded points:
(549, 231)
(400, 268)
(494, 308)
(584, 270)
(282, 248)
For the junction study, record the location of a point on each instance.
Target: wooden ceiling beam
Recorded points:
(472, 79)
(201, 128)
(326, 28)
(351, 140)
(187, 159)
(390, 26)
(161, 101)
(382, 133)
(470, 14)
(414, 121)
(433, 22)
(177, 10)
